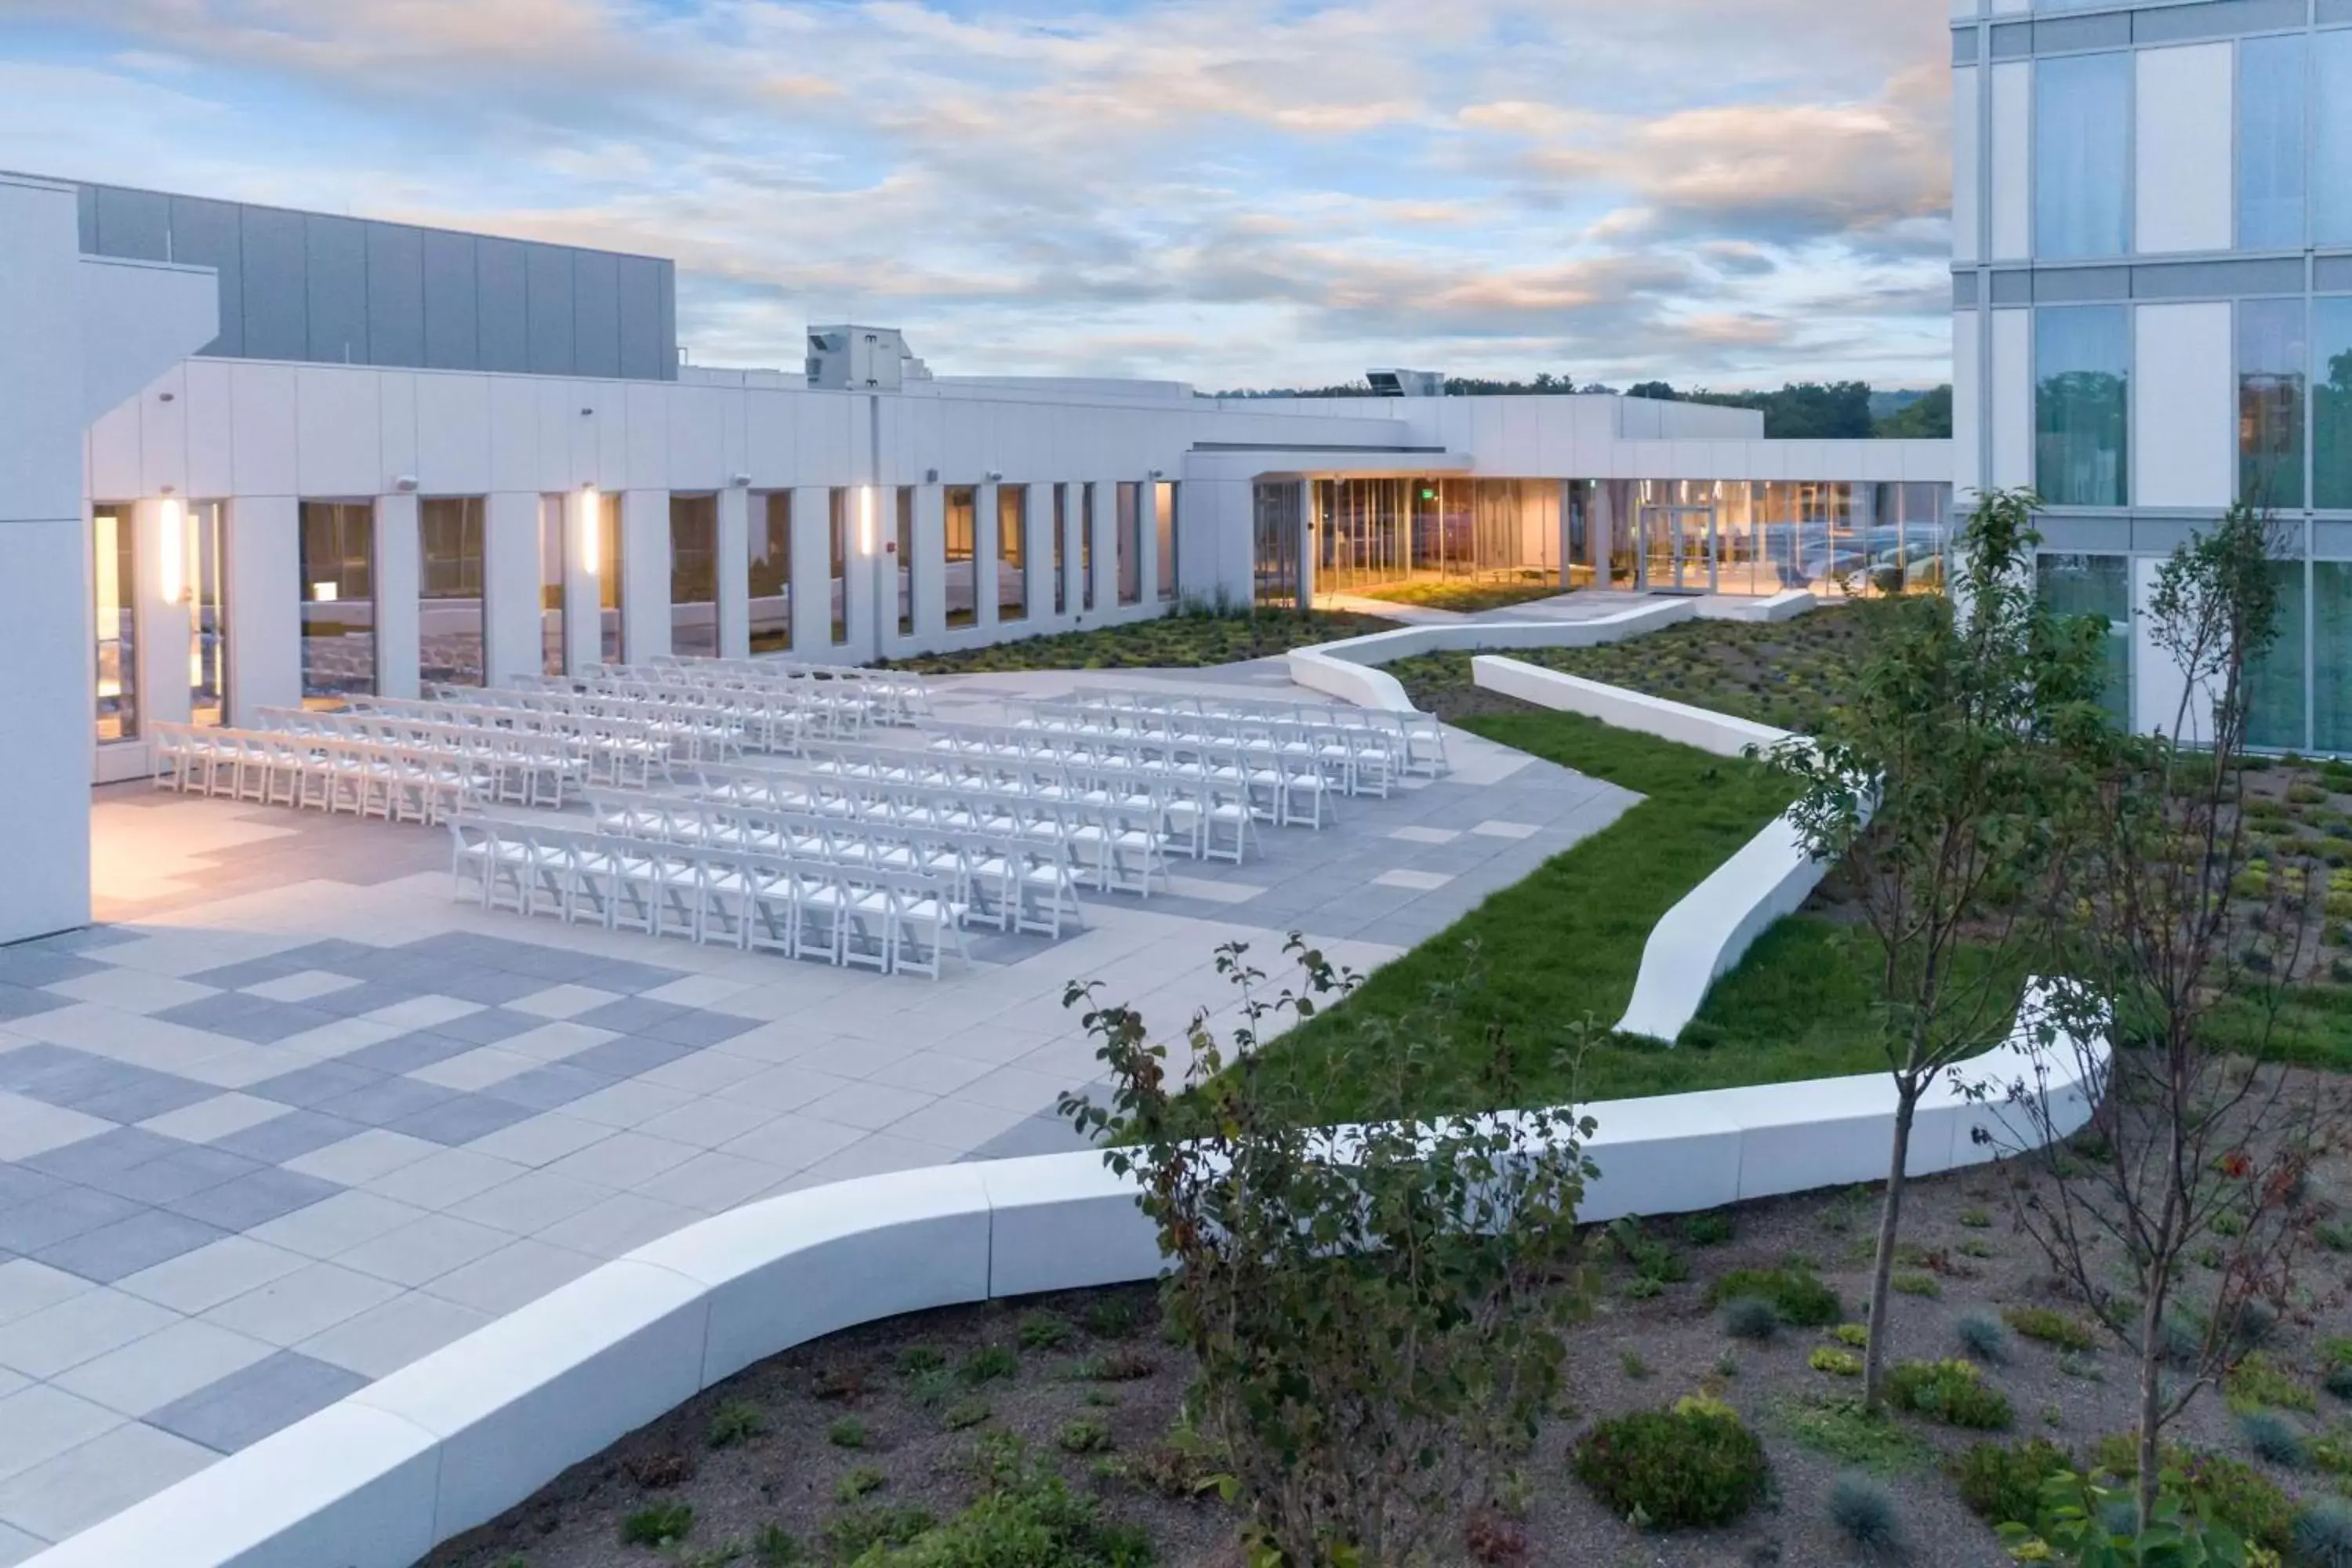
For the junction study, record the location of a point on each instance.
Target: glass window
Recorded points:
(2331, 137)
(2270, 142)
(768, 573)
(338, 560)
(906, 559)
(2081, 365)
(1085, 547)
(1011, 552)
(2081, 155)
(2331, 655)
(207, 569)
(1061, 528)
(449, 591)
(2331, 398)
(2096, 585)
(962, 528)
(838, 556)
(2272, 361)
(115, 561)
(551, 656)
(2275, 683)
(1163, 511)
(1129, 545)
(608, 563)
(694, 577)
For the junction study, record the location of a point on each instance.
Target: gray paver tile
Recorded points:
(78, 1329)
(39, 1422)
(384, 1339)
(220, 1271)
(172, 1361)
(425, 1250)
(249, 1404)
(117, 1150)
(516, 1274)
(336, 1225)
(287, 1137)
(187, 1170)
(27, 1286)
(34, 966)
(361, 1157)
(633, 1014)
(251, 1200)
(25, 1002)
(128, 1246)
(530, 1204)
(547, 1088)
(307, 1301)
(217, 1116)
(60, 1215)
(461, 1119)
(541, 1138)
(386, 1100)
(101, 1476)
(311, 1086)
(406, 1053)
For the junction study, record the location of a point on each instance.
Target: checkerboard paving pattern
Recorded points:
(260, 1150)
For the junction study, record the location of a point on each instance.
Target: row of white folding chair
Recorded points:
(1289, 790)
(1013, 882)
(1420, 737)
(864, 916)
(769, 721)
(1356, 760)
(696, 730)
(854, 703)
(1112, 845)
(526, 770)
(622, 752)
(322, 773)
(905, 698)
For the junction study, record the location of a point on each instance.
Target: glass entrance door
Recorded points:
(1677, 549)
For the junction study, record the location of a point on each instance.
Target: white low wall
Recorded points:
(1344, 670)
(1614, 705)
(468, 1432)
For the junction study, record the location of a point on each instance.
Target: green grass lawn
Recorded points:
(1461, 595)
(1180, 641)
(1564, 944)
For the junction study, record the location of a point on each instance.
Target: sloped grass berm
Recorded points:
(1186, 641)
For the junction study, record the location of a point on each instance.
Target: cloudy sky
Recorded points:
(1237, 192)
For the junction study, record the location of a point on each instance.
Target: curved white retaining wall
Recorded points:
(1345, 669)
(461, 1435)
(1625, 710)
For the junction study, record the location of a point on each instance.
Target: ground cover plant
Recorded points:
(1188, 639)
(1464, 595)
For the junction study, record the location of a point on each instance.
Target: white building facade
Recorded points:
(2152, 309)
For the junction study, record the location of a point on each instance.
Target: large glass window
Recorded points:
(207, 567)
(1061, 555)
(1011, 552)
(1127, 546)
(837, 535)
(338, 561)
(1163, 512)
(1086, 547)
(2331, 137)
(551, 654)
(962, 532)
(905, 561)
(2082, 140)
(694, 577)
(2331, 398)
(2272, 358)
(768, 573)
(609, 575)
(2081, 357)
(2274, 682)
(1276, 527)
(449, 591)
(114, 574)
(2270, 142)
(2331, 655)
(2096, 585)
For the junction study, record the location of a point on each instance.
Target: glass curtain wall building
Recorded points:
(449, 590)
(338, 589)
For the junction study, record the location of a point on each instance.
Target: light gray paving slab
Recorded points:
(543, 1139)
(423, 1251)
(382, 1340)
(249, 1404)
(174, 1361)
(336, 1225)
(621, 1161)
(40, 1421)
(518, 1273)
(307, 1301)
(198, 1281)
(216, 1117)
(446, 1177)
(708, 1122)
(15, 1546)
(128, 1246)
(26, 1288)
(302, 985)
(622, 1223)
(362, 1157)
(713, 1182)
(104, 1476)
(78, 1329)
(530, 1204)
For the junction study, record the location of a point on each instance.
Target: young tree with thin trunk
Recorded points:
(1934, 790)
(2169, 993)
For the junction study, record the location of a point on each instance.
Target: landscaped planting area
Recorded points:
(1187, 640)
(1049, 1433)
(1467, 596)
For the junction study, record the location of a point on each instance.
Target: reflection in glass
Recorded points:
(1085, 547)
(1011, 552)
(2081, 405)
(2331, 656)
(768, 574)
(207, 569)
(1061, 552)
(2274, 681)
(552, 657)
(609, 575)
(838, 552)
(694, 577)
(1128, 543)
(449, 591)
(2331, 400)
(338, 588)
(2096, 585)
(2272, 361)
(963, 528)
(2081, 136)
(2331, 137)
(1163, 502)
(1275, 544)
(114, 575)
(2270, 142)
(906, 559)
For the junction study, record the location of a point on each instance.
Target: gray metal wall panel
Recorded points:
(2160, 535)
(2332, 274)
(596, 313)
(133, 225)
(277, 309)
(2220, 18)
(640, 304)
(395, 294)
(336, 251)
(503, 304)
(2010, 39)
(2062, 33)
(2331, 540)
(1964, 290)
(206, 234)
(86, 218)
(2335, 11)
(668, 319)
(2276, 275)
(2084, 535)
(550, 308)
(2013, 288)
(2066, 284)
(451, 342)
(1964, 46)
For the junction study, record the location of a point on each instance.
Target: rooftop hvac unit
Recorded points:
(861, 359)
(1407, 383)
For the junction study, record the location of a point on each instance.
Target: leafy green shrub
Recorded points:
(1697, 1464)
(1082, 1436)
(1951, 1391)
(1033, 1521)
(2339, 1381)
(1837, 1362)
(1707, 1229)
(853, 1532)
(2323, 1534)
(1112, 1317)
(848, 1432)
(737, 1421)
(1916, 1282)
(1982, 1335)
(964, 1414)
(2002, 1482)
(1854, 1334)
(1864, 1512)
(1043, 1331)
(1844, 1430)
(1750, 1317)
(916, 1359)
(859, 1482)
(774, 1546)
(2051, 1328)
(663, 1524)
(1800, 1296)
(2256, 1381)
(1975, 1218)
(989, 1362)
(2274, 1437)
(2231, 1490)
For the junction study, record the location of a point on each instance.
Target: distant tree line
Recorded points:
(1837, 410)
